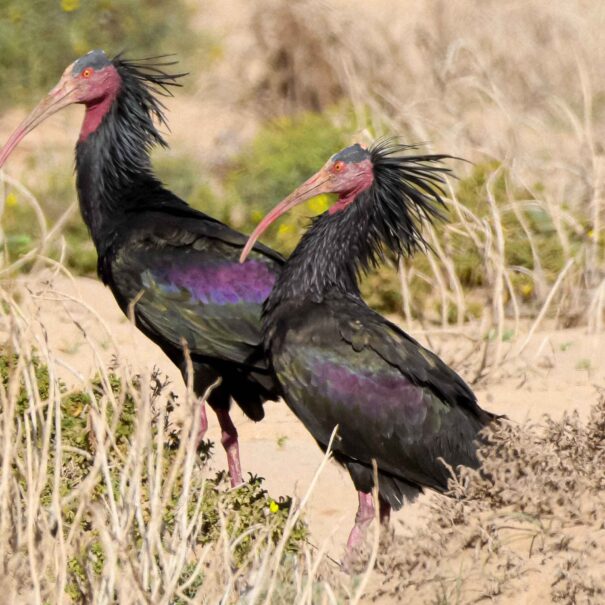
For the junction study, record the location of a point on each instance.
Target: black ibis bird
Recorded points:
(176, 266)
(395, 403)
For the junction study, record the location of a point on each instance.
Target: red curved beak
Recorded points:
(63, 94)
(319, 183)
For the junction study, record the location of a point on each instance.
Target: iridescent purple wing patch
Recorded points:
(221, 283)
(384, 393)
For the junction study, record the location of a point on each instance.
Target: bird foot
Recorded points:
(203, 425)
(366, 512)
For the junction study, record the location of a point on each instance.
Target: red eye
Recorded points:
(338, 167)
(86, 73)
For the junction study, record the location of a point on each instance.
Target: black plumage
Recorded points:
(177, 267)
(342, 364)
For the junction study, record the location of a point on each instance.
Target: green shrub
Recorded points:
(469, 261)
(242, 509)
(472, 193)
(55, 191)
(285, 153)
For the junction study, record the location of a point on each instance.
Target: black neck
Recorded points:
(113, 169)
(405, 194)
(329, 258)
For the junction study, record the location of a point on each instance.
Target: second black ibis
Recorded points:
(395, 403)
(176, 266)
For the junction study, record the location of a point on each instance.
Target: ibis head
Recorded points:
(92, 80)
(400, 191)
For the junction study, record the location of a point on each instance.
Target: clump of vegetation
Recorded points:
(23, 232)
(536, 505)
(113, 462)
(533, 253)
(529, 231)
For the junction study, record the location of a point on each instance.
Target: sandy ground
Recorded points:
(559, 372)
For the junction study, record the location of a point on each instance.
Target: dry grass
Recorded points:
(532, 524)
(105, 499)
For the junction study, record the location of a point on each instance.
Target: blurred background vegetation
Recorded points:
(39, 38)
(290, 84)
(516, 88)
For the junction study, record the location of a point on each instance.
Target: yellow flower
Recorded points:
(70, 5)
(80, 47)
(527, 289)
(319, 203)
(273, 506)
(284, 229)
(11, 200)
(15, 14)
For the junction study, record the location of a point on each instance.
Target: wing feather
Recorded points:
(190, 286)
(389, 396)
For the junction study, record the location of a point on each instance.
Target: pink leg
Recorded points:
(203, 423)
(229, 441)
(363, 518)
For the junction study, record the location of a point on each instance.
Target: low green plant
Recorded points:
(472, 194)
(584, 364)
(238, 513)
(533, 252)
(22, 231)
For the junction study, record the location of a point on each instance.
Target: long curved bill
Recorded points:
(316, 185)
(60, 96)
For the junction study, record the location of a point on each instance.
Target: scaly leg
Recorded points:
(363, 518)
(230, 443)
(203, 423)
(365, 515)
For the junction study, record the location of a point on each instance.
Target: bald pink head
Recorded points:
(347, 173)
(91, 80)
